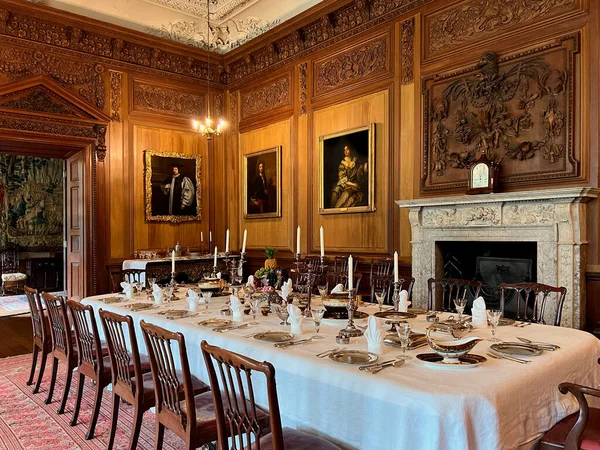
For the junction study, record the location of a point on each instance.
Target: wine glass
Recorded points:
(151, 281)
(170, 291)
(206, 296)
(317, 315)
(460, 304)
(380, 296)
(322, 290)
(254, 305)
(403, 330)
(494, 318)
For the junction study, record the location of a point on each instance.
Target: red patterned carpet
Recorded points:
(26, 422)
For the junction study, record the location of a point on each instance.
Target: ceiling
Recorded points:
(233, 22)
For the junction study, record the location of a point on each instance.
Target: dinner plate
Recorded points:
(174, 312)
(515, 349)
(274, 336)
(467, 361)
(394, 315)
(353, 357)
(140, 306)
(343, 314)
(215, 322)
(109, 300)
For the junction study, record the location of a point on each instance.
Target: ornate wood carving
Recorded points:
(161, 99)
(115, 95)
(518, 109)
(40, 99)
(408, 37)
(265, 98)
(218, 112)
(475, 19)
(100, 144)
(302, 68)
(364, 61)
(233, 112)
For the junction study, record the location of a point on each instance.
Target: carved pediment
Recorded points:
(40, 99)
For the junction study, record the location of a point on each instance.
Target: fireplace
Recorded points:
(551, 221)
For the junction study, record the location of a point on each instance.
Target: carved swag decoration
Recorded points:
(517, 110)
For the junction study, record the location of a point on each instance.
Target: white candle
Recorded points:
(298, 240)
(201, 236)
(322, 242)
(396, 267)
(227, 241)
(215, 264)
(173, 262)
(244, 241)
(210, 236)
(350, 273)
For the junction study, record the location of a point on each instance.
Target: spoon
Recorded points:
(396, 363)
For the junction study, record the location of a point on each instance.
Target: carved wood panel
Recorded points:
(516, 109)
(408, 52)
(159, 99)
(361, 63)
(474, 20)
(266, 98)
(116, 79)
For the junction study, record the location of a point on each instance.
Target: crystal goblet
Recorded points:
(254, 307)
(322, 290)
(460, 304)
(380, 296)
(494, 319)
(317, 315)
(206, 296)
(403, 330)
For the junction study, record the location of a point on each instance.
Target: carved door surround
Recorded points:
(39, 112)
(555, 219)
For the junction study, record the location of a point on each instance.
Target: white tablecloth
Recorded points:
(497, 405)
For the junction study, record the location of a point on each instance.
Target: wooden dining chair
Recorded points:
(449, 290)
(580, 430)
(336, 278)
(385, 283)
(63, 345)
(532, 300)
(381, 267)
(128, 367)
(237, 414)
(190, 417)
(340, 263)
(42, 342)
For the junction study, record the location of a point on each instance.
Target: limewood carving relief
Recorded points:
(265, 98)
(516, 109)
(162, 99)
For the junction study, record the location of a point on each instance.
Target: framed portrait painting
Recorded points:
(172, 188)
(347, 171)
(262, 184)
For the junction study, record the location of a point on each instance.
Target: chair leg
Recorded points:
(36, 350)
(96, 411)
(63, 403)
(78, 400)
(52, 380)
(138, 414)
(36, 389)
(160, 434)
(113, 423)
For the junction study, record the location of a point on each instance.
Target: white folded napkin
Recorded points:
(250, 282)
(127, 289)
(338, 289)
(374, 335)
(193, 299)
(158, 293)
(286, 289)
(237, 309)
(295, 319)
(479, 313)
(404, 303)
(219, 275)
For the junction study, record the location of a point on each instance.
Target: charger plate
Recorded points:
(140, 306)
(274, 336)
(215, 322)
(353, 357)
(515, 349)
(394, 315)
(467, 361)
(109, 300)
(174, 312)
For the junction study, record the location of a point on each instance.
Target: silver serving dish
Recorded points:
(451, 351)
(453, 327)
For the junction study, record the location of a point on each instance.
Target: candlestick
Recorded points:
(396, 295)
(322, 242)
(227, 241)
(298, 240)
(244, 241)
(350, 330)
(396, 278)
(173, 261)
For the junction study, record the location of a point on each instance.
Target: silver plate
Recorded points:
(174, 312)
(109, 300)
(515, 349)
(215, 323)
(140, 306)
(467, 361)
(274, 336)
(353, 357)
(394, 316)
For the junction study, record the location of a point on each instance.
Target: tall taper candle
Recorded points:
(201, 236)
(350, 273)
(298, 240)
(173, 262)
(396, 267)
(210, 237)
(322, 242)
(227, 241)
(215, 264)
(244, 241)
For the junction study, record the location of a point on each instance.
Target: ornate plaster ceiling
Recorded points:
(233, 22)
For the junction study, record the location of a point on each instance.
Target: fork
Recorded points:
(327, 352)
(508, 358)
(291, 344)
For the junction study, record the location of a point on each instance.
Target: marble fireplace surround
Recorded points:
(555, 219)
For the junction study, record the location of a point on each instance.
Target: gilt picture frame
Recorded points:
(262, 183)
(347, 171)
(172, 186)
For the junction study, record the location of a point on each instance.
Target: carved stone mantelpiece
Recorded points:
(554, 219)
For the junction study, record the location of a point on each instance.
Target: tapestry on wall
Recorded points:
(516, 109)
(31, 203)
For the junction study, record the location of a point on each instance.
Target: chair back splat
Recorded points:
(35, 306)
(532, 300)
(59, 324)
(446, 290)
(88, 340)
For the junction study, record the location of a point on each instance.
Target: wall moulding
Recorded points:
(364, 63)
(159, 99)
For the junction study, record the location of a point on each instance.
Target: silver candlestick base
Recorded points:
(213, 275)
(396, 295)
(173, 283)
(350, 330)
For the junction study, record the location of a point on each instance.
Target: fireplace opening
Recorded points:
(491, 263)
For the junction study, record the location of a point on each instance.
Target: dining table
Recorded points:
(496, 404)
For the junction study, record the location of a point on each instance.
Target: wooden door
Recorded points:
(75, 226)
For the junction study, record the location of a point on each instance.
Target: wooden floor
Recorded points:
(15, 335)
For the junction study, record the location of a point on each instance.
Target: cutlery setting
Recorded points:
(542, 345)
(378, 367)
(327, 352)
(229, 328)
(495, 355)
(521, 325)
(294, 343)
